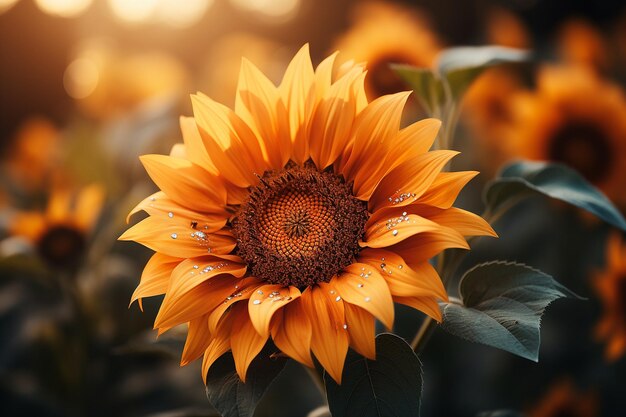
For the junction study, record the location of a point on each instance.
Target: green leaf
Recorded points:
(525, 178)
(389, 386)
(460, 66)
(425, 84)
(231, 397)
(502, 306)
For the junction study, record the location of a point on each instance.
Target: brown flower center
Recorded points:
(299, 226)
(61, 246)
(585, 148)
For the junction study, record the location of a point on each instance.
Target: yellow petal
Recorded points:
(58, 209)
(362, 285)
(265, 301)
(422, 247)
(329, 341)
(198, 339)
(219, 345)
(160, 206)
(234, 148)
(258, 102)
(242, 290)
(427, 305)
(186, 183)
(178, 238)
(245, 342)
(196, 151)
(403, 280)
(464, 222)
(412, 141)
(361, 328)
(445, 188)
(155, 277)
(88, 206)
(389, 227)
(409, 180)
(292, 332)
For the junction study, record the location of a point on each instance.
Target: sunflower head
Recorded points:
(610, 284)
(302, 215)
(565, 399)
(576, 118)
(59, 234)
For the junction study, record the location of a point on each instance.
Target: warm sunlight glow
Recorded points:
(273, 8)
(81, 78)
(134, 11)
(6, 5)
(171, 13)
(63, 8)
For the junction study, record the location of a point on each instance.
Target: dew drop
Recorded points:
(170, 214)
(174, 235)
(395, 233)
(345, 327)
(259, 292)
(338, 298)
(256, 302)
(368, 299)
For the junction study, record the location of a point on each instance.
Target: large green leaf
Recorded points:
(502, 306)
(524, 178)
(389, 386)
(428, 88)
(461, 65)
(231, 397)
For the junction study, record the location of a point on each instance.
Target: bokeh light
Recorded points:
(283, 9)
(171, 13)
(81, 78)
(6, 5)
(63, 8)
(134, 11)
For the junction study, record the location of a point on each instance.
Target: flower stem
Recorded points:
(318, 380)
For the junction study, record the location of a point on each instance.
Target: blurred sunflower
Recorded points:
(580, 43)
(575, 118)
(301, 215)
(60, 233)
(503, 27)
(563, 399)
(382, 34)
(610, 285)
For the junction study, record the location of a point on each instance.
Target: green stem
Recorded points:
(317, 379)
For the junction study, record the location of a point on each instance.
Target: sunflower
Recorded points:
(59, 234)
(504, 27)
(382, 34)
(610, 285)
(564, 399)
(576, 118)
(580, 43)
(302, 215)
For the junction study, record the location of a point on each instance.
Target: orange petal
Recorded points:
(88, 206)
(329, 341)
(427, 305)
(292, 332)
(198, 339)
(58, 209)
(361, 328)
(445, 188)
(178, 238)
(196, 151)
(245, 342)
(375, 131)
(412, 141)
(30, 225)
(324, 74)
(161, 206)
(233, 146)
(242, 291)
(265, 301)
(333, 120)
(155, 277)
(409, 180)
(386, 228)
(194, 303)
(422, 247)
(402, 279)
(219, 345)
(464, 222)
(298, 93)
(362, 285)
(192, 272)
(186, 183)
(258, 102)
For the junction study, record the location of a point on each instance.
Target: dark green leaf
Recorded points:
(389, 386)
(461, 65)
(502, 306)
(231, 397)
(425, 84)
(520, 179)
